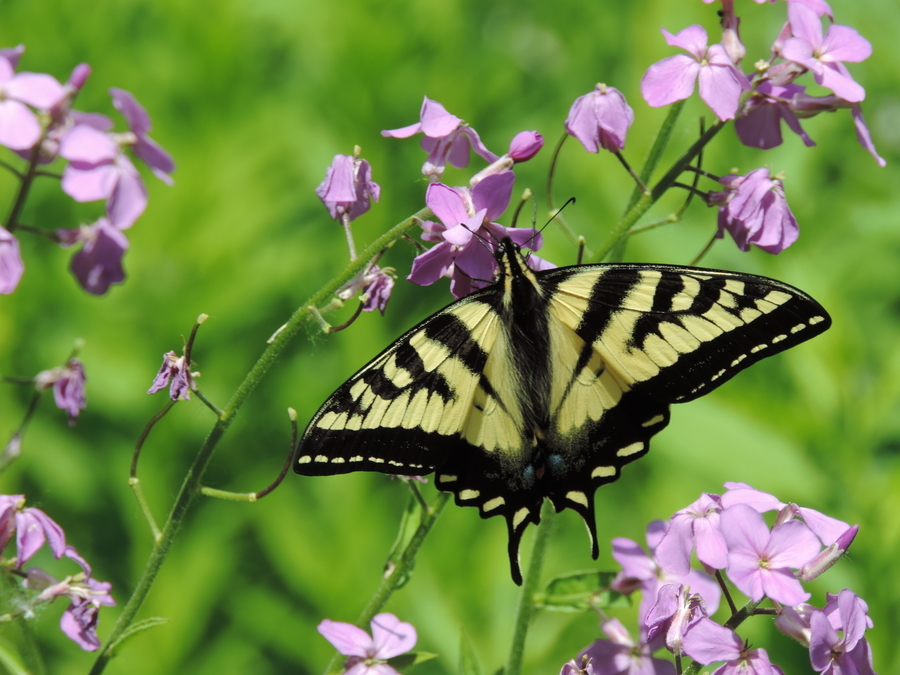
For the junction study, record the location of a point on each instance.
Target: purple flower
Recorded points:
(99, 262)
(447, 139)
(600, 119)
(824, 55)
(675, 611)
(863, 135)
(348, 188)
(621, 655)
(759, 561)
(645, 572)
(672, 79)
(754, 210)
(468, 236)
(377, 286)
(760, 124)
(374, 286)
(99, 169)
(79, 621)
(19, 126)
(696, 525)
(707, 642)
(368, 655)
(148, 150)
(175, 369)
(849, 654)
(33, 528)
(68, 387)
(523, 147)
(11, 265)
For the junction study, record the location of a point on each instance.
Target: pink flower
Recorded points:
(348, 188)
(79, 621)
(174, 369)
(468, 236)
(99, 169)
(832, 654)
(621, 655)
(824, 55)
(759, 561)
(707, 642)
(368, 655)
(754, 210)
(11, 265)
(68, 387)
(447, 139)
(646, 572)
(600, 119)
(148, 150)
(672, 79)
(760, 124)
(99, 262)
(696, 525)
(33, 528)
(19, 126)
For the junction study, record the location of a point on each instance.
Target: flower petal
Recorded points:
(391, 636)
(348, 639)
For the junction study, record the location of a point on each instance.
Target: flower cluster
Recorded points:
(761, 100)
(728, 534)
(33, 529)
(38, 123)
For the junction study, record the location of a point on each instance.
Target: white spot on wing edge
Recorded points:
(738, 360)
(446, 478)
(338, 460)
(603, 472)
(356, 458)
(469, 494)
(321, 458)
(577, 498)
(653, 420)
(492, 504)
(377, 460)
(520, 517)
(816, 319)
(779, 338)
(630, 449)
(306, 459)
(758, 348)
(798, 327)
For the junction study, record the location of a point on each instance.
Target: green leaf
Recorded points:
(9, 659)
(468, 660)
(411, 659)
(134, 630)
(581, 591)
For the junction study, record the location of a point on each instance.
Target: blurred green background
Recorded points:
(253, 99)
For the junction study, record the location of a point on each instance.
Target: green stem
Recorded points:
(655, 152)
(398, 573)
(644, 203)
(191, 485)
(526, 607)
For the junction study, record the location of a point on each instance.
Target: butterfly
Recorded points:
(545, 384)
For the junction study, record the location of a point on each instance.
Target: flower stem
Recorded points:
(399, 573)
(525, 608)
(191, 485)
(642, 205)
(25, 186)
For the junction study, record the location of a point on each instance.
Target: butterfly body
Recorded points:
(545, 384)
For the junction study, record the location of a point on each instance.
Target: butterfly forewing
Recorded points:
(458, 394)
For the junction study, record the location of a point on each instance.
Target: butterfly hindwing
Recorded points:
(547, 383)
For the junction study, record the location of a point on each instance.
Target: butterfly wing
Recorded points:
(629, 340)
(403, 413)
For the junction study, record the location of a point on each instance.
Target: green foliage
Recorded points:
(253, 100)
